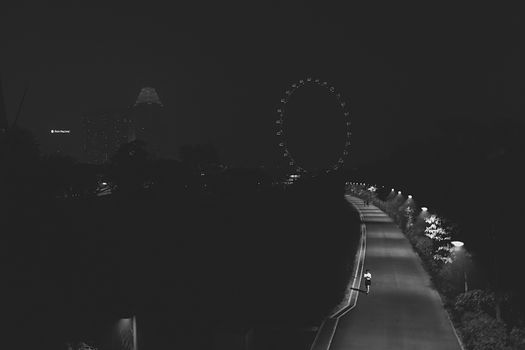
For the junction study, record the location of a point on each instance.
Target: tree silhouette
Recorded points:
(19, 156)
(130, 167)
(199, 157)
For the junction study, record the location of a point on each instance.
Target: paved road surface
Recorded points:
(402, 310)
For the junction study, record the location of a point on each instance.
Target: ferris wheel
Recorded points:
(281, 121)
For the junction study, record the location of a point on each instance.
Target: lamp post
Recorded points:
(459, 249)
(127, 325)
(134, 330)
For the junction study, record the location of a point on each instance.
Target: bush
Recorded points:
(475, 301)
(480, 331)
(517, 338)
(446, 282)
(425, 247)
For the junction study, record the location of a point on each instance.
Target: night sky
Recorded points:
(220, 68)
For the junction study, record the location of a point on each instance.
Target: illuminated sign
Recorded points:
(54, 131)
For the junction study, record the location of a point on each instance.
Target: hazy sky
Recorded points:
(220, 68)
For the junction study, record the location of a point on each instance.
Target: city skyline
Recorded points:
(75, 145)
(296, 175)
(222, 86)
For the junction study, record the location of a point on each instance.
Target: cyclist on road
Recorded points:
(368, 280)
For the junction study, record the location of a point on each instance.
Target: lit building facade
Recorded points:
(104, 133)
(147, 121)
(60, 141)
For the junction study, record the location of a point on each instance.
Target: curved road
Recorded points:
(402, 311)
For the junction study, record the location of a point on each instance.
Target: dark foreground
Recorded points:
(199, 272)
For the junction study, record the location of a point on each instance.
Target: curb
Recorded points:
(358, 267)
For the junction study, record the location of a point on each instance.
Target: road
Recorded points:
(402, 311)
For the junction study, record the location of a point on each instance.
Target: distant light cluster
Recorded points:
(58, 131)
(148, 95)
(280, 122)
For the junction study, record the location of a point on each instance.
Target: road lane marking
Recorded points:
(361, 265)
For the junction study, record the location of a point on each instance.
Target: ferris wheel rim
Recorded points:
(345, 106)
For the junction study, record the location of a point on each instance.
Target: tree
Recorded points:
(439, 233)
(517, 338)
(480, 331)
(406, 215)
(418, 226)
(392, 206)
(57, 176)
(129, 167)
(199, 157)
(19, 158)
(476, 300)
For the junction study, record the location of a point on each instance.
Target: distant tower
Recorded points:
(147, 122)
(148, 95)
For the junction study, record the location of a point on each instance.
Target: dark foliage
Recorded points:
(482, 332)
(182, 250)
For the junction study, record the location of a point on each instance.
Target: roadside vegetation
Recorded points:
(487, 315)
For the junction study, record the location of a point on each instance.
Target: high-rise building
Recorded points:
(104, 133)
(60, 142)
(147, 122)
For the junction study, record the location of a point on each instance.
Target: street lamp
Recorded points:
(457, 244)
(458, 247)
(129, 324)
(134, 329)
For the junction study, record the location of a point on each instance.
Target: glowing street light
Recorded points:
(398, 192)
(457, 244)
(130, 324)
(409, 196)
(458, 247)
(424, 214)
